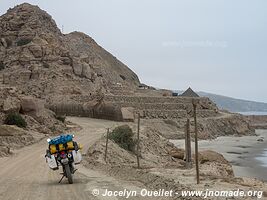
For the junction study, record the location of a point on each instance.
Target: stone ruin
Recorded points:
(126, 108)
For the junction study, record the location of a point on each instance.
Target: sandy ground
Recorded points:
(241, 152)
(26, 176)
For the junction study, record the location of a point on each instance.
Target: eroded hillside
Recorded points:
(36, 57)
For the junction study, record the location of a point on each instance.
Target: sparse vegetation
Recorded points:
(15, 119)
(61, 118)
(123, 136)
(23, 42)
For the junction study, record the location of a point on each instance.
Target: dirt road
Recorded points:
(26, 176)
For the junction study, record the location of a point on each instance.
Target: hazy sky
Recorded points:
(217, 46)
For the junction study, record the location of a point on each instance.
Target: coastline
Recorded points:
(242, 152)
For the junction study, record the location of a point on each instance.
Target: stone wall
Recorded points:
(71, 109)
(158, 106)
(104, 111)
(165, 107)
(204, 103)
(148, 107)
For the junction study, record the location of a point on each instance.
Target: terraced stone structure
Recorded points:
(148, 107)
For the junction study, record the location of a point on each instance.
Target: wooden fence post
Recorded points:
(188, 157)
(106, 151)
(195, 102)
(138, 142)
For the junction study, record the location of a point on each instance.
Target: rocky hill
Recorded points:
(235, 105)
(232, 104)
(38, 59)
(39, 63)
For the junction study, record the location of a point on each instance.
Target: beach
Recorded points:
(246, 154)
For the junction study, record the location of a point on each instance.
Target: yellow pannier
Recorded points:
(61, 147)
(70, 145)
(53, 149)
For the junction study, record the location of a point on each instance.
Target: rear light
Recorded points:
(62, 154)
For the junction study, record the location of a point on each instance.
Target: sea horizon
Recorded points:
(253, 113)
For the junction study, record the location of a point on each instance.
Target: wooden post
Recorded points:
(195, 102)
(188, 145)
(185, 142)
(106, 151)
(138, 142)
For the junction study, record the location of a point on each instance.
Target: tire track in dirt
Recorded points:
(26, 176)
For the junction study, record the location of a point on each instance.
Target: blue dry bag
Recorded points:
(62, 139)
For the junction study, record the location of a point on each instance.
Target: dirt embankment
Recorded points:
(156, 152)
(26, 176)
(163, 167)
(209, 128)
(12, 137)
(227, 125)
(37, 120)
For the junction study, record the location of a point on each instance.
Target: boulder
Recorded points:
(177, 153)
(127, 114)
(77, 67)
(3, 41)
(36, 50)
(31, 106)
(12, 78)
(4, 151)
(25, 57)
(11, 104)
(25, 75)
(40, 41)
(82, 69)
(211, 156)
(10, 130)
(35, 74)
(86, 71)
(6, 78)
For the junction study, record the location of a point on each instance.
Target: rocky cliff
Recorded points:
(36, 57)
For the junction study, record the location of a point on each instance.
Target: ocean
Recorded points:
(263, 158)
(253, 113)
